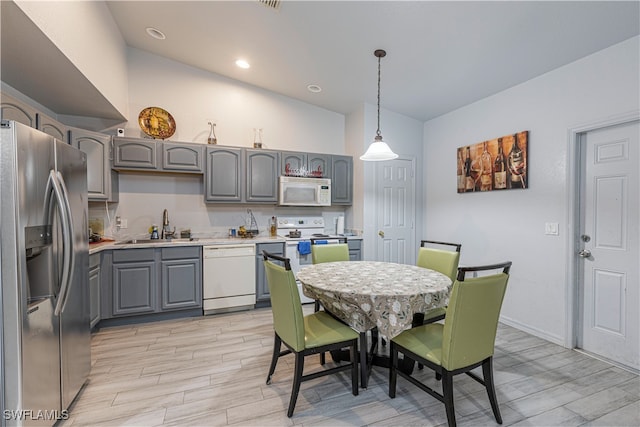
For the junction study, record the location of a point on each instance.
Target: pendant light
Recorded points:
(378, 150)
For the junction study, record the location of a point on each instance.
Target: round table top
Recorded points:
(365, 294)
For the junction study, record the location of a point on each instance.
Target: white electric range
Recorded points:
(308, 226)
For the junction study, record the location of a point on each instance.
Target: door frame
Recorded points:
(574, 171)
(376, 192)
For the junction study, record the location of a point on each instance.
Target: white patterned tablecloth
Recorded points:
(367, 294)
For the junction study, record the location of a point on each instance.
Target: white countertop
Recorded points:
(97, 247)
(102, 246)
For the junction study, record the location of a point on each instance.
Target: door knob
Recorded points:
(585, 253)
(381, 233)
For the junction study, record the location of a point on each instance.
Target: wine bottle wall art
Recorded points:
(496, 164)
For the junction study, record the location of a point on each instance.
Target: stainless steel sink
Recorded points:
(147, 241)
(134, 241)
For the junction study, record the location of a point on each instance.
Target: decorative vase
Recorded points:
(212, 135)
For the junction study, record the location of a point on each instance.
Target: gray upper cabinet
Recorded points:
(102, 181)
(305, 164)
(292, 163)
(13, 109)
(53, 127)
(262, 175)
(182, 157)
(223, 176)
(341, 180)
(319, 165)
(136, 154)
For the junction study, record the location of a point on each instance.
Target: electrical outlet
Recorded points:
(124, 223)
(551, 228)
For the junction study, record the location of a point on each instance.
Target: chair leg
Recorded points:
(487, 373)
(393, 365)
(277, 342)
(363, 359)
(447, 393)
(316, 308)
(354, 368)
(297, 379)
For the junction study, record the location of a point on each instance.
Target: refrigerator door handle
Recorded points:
(55, 196)
(70, 240)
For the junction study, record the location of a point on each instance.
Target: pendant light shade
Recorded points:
(378, 150)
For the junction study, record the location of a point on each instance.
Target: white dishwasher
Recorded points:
(228, 277)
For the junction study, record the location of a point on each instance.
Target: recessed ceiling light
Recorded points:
(155, 33)
(314, 88)
(242, 63)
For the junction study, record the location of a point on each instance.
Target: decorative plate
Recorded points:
(156, 122)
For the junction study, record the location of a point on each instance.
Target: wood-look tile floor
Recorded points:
(211, 371)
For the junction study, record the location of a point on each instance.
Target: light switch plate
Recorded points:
(551, 228)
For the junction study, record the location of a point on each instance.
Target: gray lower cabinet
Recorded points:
(181, 278)
(134, 281)
(341, 180)
(263, 297)
(223, 177)
(152, 280)
(102, 181)
(14, 109)
(355, 250)
(262, 175)
(94, 289)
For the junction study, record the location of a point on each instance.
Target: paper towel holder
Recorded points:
(340, 225)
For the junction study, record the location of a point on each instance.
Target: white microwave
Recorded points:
(297, 191)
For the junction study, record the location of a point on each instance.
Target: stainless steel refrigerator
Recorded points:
(44, 278)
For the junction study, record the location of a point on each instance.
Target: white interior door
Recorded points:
(395, 190)
(610, 238)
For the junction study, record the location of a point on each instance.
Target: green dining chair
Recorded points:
(441, 260)
(327, 252)
(465, 341)
(303, 335)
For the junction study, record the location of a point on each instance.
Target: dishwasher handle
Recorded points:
(227, 251)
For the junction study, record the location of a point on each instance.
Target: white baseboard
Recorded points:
(534, 331)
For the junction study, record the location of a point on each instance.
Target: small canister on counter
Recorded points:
(232, 232)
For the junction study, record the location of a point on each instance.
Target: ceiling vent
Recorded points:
(272, 4)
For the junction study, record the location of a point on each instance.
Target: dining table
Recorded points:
(375, 296)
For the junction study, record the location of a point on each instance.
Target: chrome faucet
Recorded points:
(166, 231)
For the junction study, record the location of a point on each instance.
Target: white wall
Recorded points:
(194, 97)
(95, 45)
(505, 225)
(404, 136)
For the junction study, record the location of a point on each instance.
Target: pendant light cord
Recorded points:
(378, 131)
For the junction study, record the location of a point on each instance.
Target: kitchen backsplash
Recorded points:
(143, 198)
